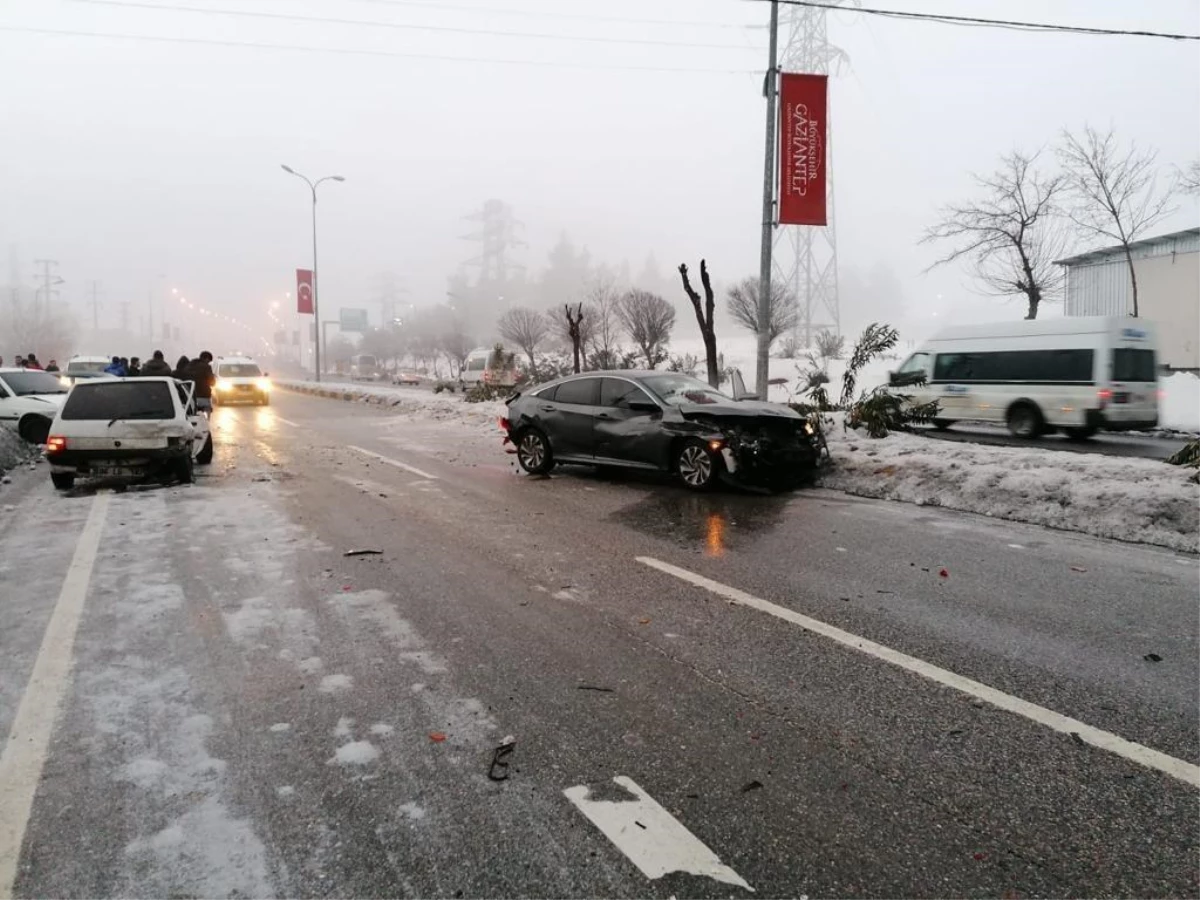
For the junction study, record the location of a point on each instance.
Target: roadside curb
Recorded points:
(348, 394)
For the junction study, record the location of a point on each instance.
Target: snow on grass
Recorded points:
(1139, 500)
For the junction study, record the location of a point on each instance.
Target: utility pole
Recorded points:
(94, 287)
(763, 368)
(49, 279)
(125, 316)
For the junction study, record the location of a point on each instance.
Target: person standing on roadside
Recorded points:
(201, 373)
(135, 367)
(53, 366)
(156, 365)
(115, 368)
(31, 362)
(181, 368)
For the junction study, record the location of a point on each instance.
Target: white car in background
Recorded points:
(132, 428)
(241, 380)
(83, 367)
(29, 400)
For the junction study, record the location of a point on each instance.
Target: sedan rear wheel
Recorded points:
(533, 452)
(696, 465)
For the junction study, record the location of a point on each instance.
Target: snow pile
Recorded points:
(407, 402)
(1179, 408)
(14, 450)
(1138, 500)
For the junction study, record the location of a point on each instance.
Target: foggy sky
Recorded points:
(128, 160)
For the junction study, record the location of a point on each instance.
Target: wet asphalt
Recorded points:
(1143, 446)
(254, 713)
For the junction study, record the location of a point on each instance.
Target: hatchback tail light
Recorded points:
(505, 425)
(1103, 395)
(56, 444)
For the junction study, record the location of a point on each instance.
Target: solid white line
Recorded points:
(651, 837)
(393, 462)
(28, 740)
(1105, 740)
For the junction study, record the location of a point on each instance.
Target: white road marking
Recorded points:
(29, 739)
(1105, 740)
(392, 462)
(286, 421)
(651, 837)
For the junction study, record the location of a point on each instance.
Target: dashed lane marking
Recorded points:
(649, 836)
(286, 421)
(25, 751)
(1105, 740)
(392, 462)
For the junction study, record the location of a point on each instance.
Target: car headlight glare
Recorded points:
(264, 384)
(223, 385)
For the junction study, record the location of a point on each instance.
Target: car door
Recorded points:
(8, 406)
(567, 417)
(628, 425)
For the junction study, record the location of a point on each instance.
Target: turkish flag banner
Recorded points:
(304, 292)
(803, 102)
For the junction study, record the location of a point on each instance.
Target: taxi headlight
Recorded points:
(264, 384)
(223, 385)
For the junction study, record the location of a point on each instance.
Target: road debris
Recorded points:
(1078, 569)
(498, 770)
(594, 687)
(363, 552)
(438, 737)
(944, 573)
(751, 786)
(1152, 657)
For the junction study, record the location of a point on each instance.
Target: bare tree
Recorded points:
(783, 311)
(575, 330)
(704, 318)
(457, 345)
(648, 319)
(1187, 181)
(50, 333)
(1012, 234)
(560, 324)
(1115, 193)
(527, 329)
(604, 322)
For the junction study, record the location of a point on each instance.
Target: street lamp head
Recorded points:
(287, 169)
(337, 177)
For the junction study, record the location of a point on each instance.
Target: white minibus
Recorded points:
(1079, 374)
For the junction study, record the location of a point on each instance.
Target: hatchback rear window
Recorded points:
(120, 400)
(1133, 365)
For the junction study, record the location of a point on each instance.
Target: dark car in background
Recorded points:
(664, 422)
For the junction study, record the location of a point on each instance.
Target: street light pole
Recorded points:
(312, 186)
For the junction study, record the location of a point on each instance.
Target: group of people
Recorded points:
(30, 361)
(198, 370)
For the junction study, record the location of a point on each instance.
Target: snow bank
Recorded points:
(414, 402)
(1179, 408)
(1138, 500)
(13, 450)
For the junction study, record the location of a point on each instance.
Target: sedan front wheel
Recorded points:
(696, 465)
(533, 452)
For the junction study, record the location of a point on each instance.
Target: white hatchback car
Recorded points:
(29, 400)
(128, 427)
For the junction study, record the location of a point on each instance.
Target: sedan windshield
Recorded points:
(24, 383)
(239, 370)
(678, 389)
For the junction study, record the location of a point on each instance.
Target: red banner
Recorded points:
(304, 297)
(803, 101)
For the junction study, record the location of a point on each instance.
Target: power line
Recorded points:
(581, 17)
(407, 26)
(990, 23)
(351, 51)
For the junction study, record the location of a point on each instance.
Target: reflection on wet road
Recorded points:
(709, 523)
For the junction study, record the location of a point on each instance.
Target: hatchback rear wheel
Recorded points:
(533, 452)
(696, 465)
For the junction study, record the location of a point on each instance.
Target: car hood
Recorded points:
(739, 408)
(52, 399)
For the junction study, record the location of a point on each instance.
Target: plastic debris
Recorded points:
(1078, 569)
(1152, 657)
(594, 687)
(438, 737)
(751, 786)
(498, 770)
(363, 552)
(944, 573)
(643, 621)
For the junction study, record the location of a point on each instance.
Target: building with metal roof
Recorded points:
(1168, 279)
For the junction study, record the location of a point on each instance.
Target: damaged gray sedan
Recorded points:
(660, 421)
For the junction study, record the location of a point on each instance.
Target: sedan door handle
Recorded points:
(546, 407)
(603, 416)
